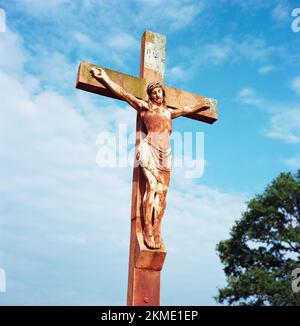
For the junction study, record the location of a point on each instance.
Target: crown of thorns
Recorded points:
(153, 85)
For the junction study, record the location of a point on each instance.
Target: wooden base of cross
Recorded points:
(145, 264)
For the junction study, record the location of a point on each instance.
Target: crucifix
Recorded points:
(156, 106)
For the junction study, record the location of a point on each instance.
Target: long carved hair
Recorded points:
(151, 87)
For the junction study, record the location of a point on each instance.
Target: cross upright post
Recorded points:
(144, 264)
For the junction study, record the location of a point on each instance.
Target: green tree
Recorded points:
(264, 248)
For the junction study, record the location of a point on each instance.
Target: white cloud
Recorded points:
(231, 49)
(153, 3)
(12, 54)
(84, 40)
(177, 14)
(293, 162)
(254, 48)
(281, 11)
(249, 96)
(54, 70)
(246, 92)
(218, 53)
(122, 41)
(173, 15)
(296, 85)
(182, 15)
(39, 9)
(285, 125)
(176, 73)
(52, 194)
(252, 5)
(266, 69)
(117, 46)
(194, 223)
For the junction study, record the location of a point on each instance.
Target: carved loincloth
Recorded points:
(155, 159)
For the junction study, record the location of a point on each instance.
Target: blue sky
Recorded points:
(64, 235)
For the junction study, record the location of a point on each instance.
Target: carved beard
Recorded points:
(150, 100)
(151, 103)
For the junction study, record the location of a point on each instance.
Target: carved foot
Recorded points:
(148, 237)
(157, 241)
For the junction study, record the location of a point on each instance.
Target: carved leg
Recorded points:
(159, 213)
(148, 202)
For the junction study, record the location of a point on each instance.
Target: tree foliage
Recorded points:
(264, 248)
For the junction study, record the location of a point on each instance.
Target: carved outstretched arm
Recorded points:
(103, 78)
(204, 103)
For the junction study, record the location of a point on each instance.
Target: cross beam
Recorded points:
(175, 98)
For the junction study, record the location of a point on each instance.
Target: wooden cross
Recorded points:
(144, 264)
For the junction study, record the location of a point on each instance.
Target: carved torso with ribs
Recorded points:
(159, 125)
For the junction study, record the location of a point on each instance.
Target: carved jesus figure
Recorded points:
(154, 153)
